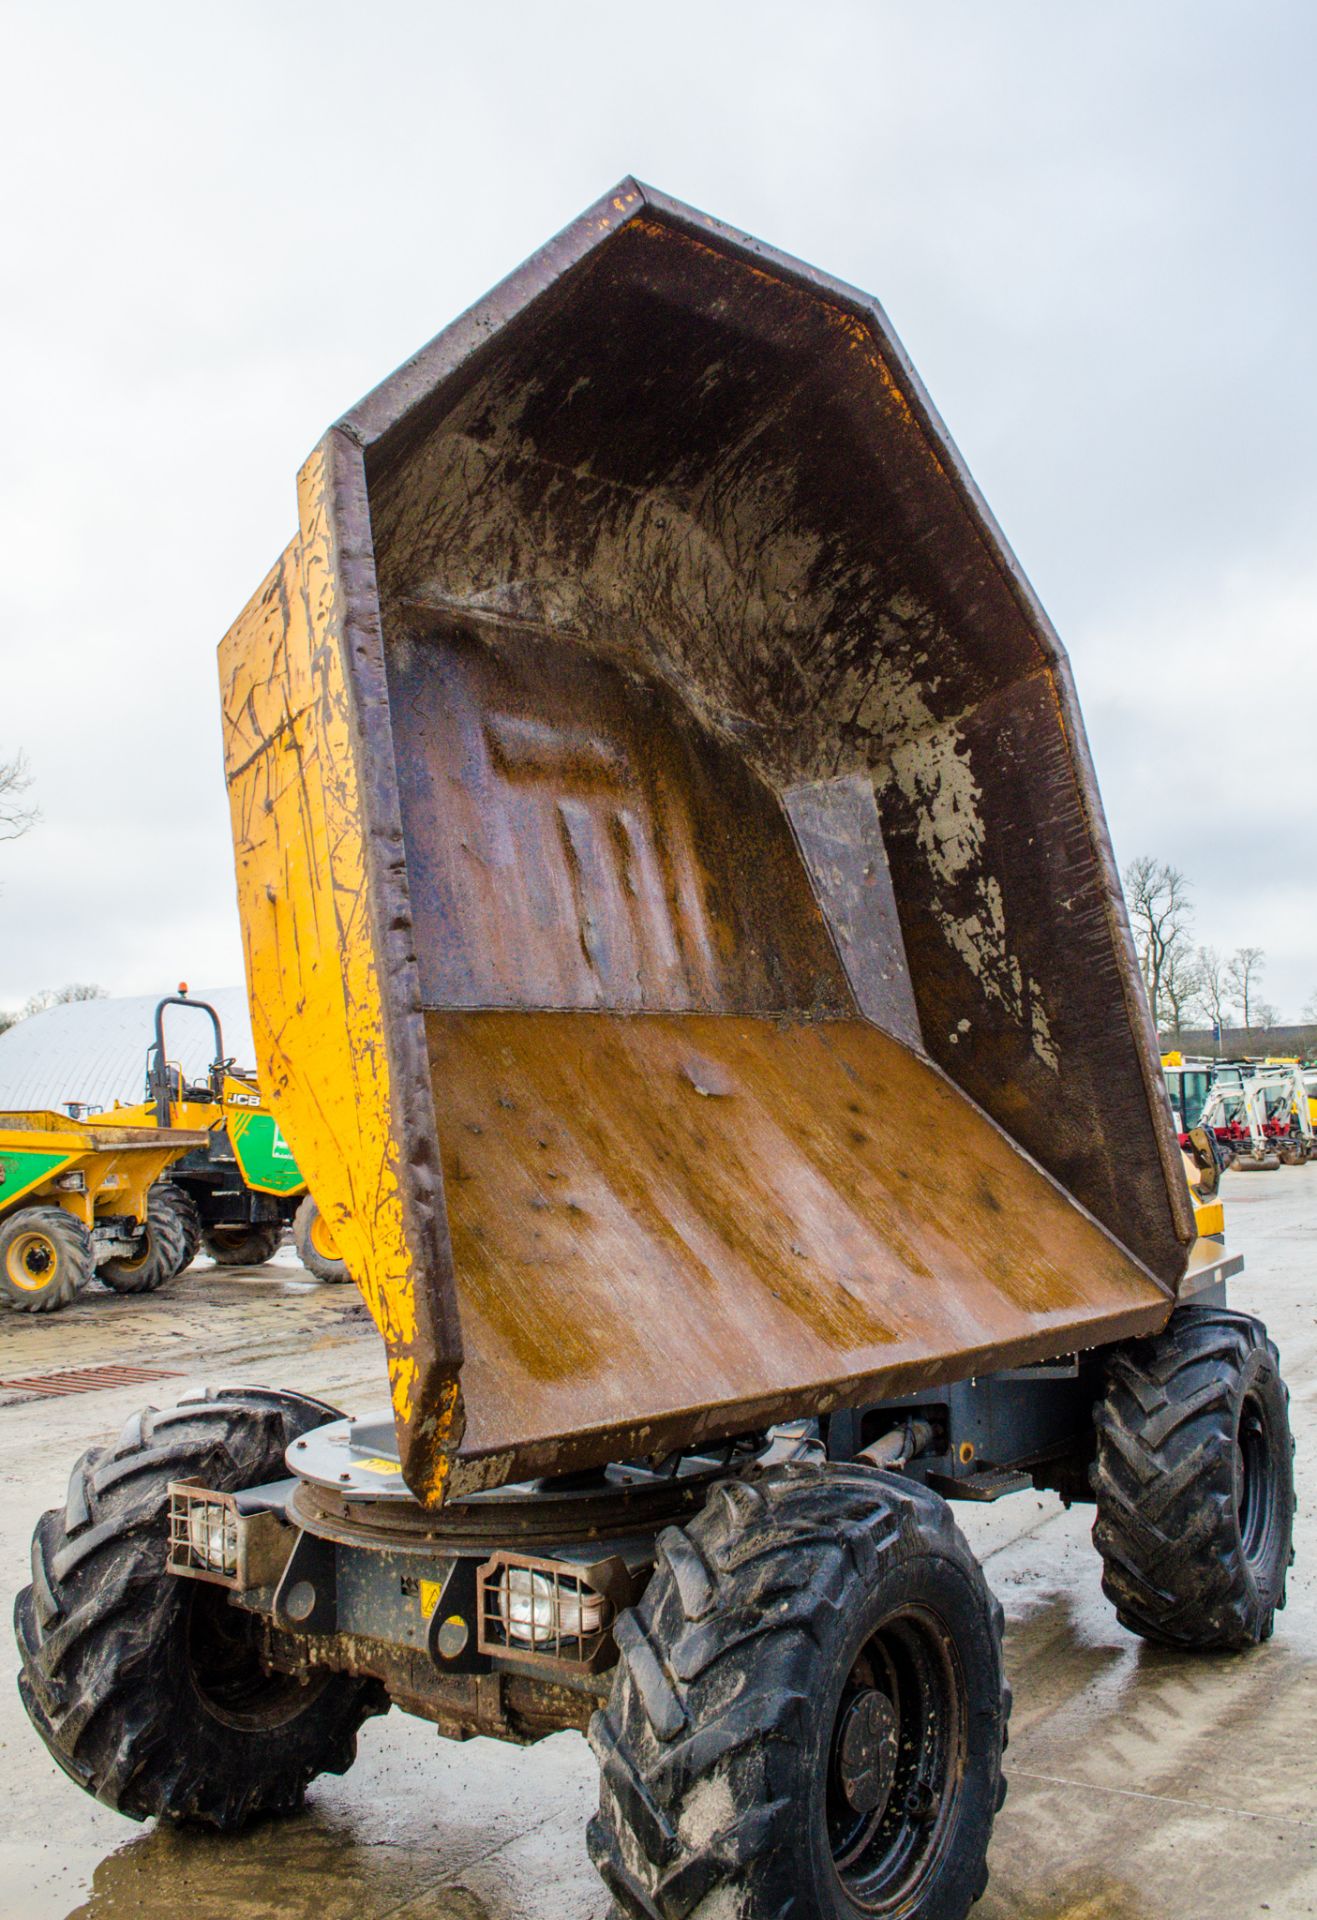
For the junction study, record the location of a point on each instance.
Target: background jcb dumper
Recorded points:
(686, 957)
(241, 1187)
(85, 1197)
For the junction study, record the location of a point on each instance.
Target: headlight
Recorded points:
(213, 1536)
(544, 1609)
(203, 1533)
(551, 1612)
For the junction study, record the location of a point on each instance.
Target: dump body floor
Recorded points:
(1142, 1783)
(654, 1212)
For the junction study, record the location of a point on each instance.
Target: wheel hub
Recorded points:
(867, 1747)
(895, 1761)
(32, 1261)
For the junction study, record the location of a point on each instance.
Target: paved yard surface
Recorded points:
(1143, 1785)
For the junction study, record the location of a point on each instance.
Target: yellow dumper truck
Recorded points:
(236, 1192)
(85, 1198)
(686, 958)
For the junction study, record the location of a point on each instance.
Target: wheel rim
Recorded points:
(134, 1262)
(226, 1671)
(32, 1262)
(896, 1762)
(1255, 1483)
(321, 1238)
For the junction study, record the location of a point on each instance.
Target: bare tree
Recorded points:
(1161, 914)
(49, 997)
(1213, 990)
(1244, 979)
(1181, 990)
(15, 816)
(60, 997)
(1265, 1014)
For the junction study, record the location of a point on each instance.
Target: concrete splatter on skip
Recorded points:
(932, 773)
(727, 589)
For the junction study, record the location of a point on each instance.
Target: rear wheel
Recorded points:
(316, 1248)
(808, 1714)
(243, 1246)
(45, 1258)
(190, 1221)
(162, 1250)
(150, 1690)
(1194, 1478)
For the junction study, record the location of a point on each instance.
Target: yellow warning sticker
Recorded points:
(430, 1591)
(377, 1466)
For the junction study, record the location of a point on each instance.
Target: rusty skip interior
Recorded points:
(780, 1011)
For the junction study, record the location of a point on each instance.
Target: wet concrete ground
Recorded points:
(1144, 1785)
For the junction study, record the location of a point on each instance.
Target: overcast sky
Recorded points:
(1091, 224)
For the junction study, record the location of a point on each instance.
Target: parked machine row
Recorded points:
(1259, 1112)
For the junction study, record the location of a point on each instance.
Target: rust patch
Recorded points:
(624, 1244)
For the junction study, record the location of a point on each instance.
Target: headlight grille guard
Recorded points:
(556, 1615)
(210, 1540)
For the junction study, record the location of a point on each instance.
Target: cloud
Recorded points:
(1091, 227)
(1189, 696)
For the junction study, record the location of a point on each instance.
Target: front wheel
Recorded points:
(163, 1249)
(243, 1246)
(808, 1714)
(45, 1258)
(150, 1690)
(1194, 1479)
(316, 1248)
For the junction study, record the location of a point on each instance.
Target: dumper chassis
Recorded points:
(784, 1654)
(688, 965)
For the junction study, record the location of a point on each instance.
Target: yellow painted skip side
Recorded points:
(118, 1165)
(303, 896)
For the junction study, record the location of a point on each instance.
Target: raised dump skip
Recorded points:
(675, 892)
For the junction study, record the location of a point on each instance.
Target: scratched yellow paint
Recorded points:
(295, 795)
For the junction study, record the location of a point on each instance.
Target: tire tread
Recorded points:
(1162, 1477)
(714, 1671)
(96, 1626)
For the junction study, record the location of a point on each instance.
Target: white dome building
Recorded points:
(93, 1052)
